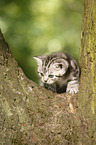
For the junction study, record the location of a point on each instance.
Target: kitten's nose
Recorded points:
(45, 81)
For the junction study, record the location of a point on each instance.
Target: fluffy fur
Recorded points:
(59, 72)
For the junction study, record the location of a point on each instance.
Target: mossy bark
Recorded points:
(87, 93)
(88, 55)
(32, 115)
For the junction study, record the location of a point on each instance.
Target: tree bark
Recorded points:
(87, 93)
(32, 115)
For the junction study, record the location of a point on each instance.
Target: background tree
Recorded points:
(32, 115)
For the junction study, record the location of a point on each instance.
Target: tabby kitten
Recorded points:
(59, 72)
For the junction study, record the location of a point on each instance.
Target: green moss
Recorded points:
(6, 108)
(93, 103)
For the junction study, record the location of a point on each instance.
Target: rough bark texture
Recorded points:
(88, 55)
(87, 93)
(32, 115)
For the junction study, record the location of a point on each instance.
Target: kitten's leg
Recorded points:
(51, 87)
(72, 86)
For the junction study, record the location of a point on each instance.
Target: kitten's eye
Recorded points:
(41, 74)
(51, 76)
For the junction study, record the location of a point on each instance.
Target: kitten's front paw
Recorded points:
(72, 88)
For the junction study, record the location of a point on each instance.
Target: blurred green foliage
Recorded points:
(37, 27)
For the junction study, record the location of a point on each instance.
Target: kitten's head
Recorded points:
(51, 68)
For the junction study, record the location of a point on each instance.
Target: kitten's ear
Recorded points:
(39, 59)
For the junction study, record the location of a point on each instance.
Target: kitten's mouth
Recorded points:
(48, 82)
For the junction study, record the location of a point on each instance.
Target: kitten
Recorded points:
(59, 72)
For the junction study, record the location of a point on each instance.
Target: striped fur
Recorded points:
(59, 72)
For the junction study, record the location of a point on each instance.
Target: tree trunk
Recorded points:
(87, 93)
(32, 115)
